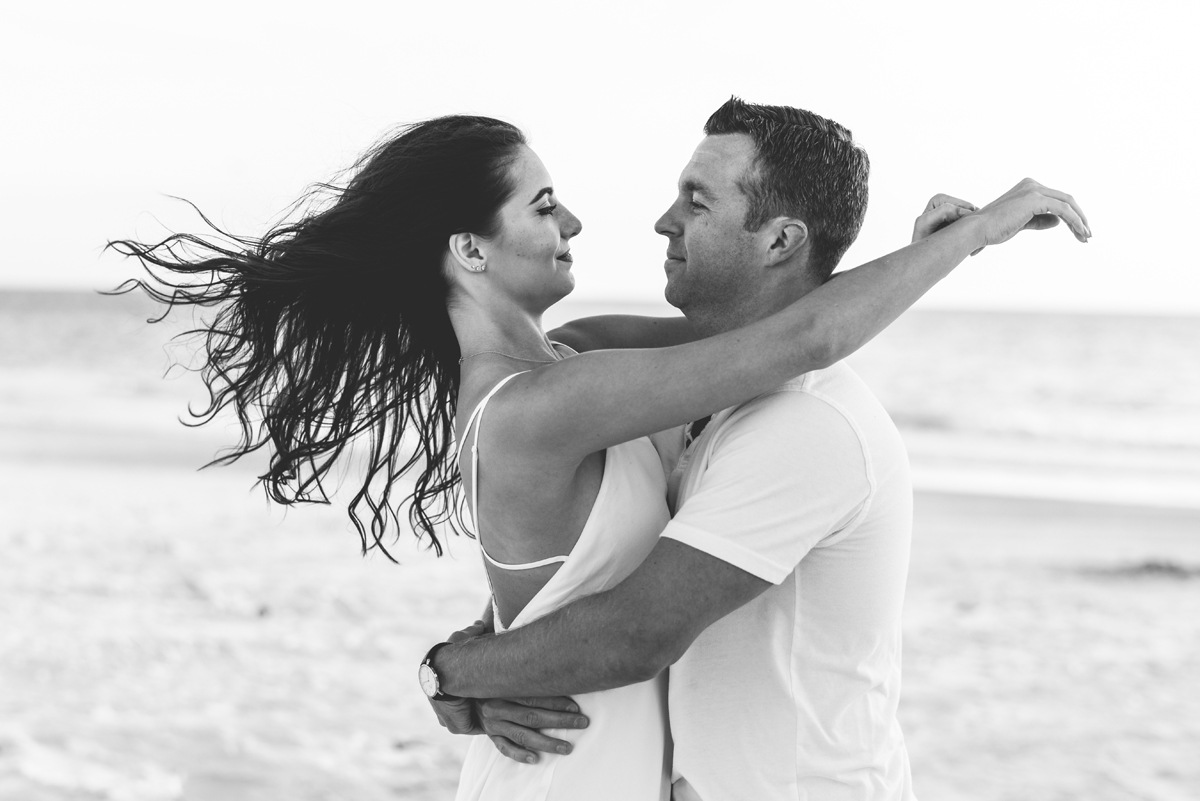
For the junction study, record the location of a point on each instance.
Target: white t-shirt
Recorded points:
(793, 696)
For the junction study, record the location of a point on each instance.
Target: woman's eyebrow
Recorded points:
(545, 190)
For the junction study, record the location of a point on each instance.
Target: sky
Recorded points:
(111, 109)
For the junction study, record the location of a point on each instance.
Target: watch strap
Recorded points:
(427, 665)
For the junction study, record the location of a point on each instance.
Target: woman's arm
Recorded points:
(620, 331)
(604, 331)
(581, 405)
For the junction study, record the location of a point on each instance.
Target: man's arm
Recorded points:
(607, 331)
(783, 473)
(621, 636)
(512, 724)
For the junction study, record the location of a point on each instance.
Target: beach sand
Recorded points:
(164, 634)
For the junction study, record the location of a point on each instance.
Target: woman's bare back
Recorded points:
(528, 506)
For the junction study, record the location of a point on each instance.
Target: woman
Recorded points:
(418, 293)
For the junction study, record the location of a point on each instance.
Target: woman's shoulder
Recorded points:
(502, 410)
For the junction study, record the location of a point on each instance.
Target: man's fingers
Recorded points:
(512, 750)
(457, 715)
(530, 717)
(528, 739)
(561, 703)
(517, 724)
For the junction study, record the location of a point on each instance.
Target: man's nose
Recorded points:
(666, 224)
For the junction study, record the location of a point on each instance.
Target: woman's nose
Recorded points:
(570, 225)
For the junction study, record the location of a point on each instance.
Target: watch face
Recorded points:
(428, 679)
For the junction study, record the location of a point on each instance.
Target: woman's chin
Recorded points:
(566, 282)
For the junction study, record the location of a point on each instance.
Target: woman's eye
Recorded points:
(546, 210)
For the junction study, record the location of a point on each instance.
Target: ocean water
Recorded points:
(1089, 407)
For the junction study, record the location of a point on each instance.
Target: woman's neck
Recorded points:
(508, 330)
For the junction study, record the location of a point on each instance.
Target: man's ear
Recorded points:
(788, 236)
(467, 253)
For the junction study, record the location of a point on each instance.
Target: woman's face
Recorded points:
(529, 258)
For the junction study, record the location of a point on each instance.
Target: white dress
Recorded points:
(624, 753)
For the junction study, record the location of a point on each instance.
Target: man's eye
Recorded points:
(696, 205)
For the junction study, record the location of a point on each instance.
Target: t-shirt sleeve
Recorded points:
(784, 473)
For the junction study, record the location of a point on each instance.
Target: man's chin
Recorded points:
(673, 292)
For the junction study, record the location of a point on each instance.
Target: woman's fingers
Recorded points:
(1055, 208)
(1040, 222)
(476, 629)
(1070, 201)
(938, 217)
(941, 199)
(1030, 206)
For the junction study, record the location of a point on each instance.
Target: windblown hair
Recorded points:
(334, 327)
(807, 167)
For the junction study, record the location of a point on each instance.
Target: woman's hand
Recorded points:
(940, 211)
(1028, 206)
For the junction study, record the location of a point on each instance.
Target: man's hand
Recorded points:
(457, 715)
(940, 212)
(512, 724)
(1028, 206)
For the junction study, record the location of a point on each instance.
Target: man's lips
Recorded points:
(565, 256)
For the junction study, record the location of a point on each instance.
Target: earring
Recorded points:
(482, 266)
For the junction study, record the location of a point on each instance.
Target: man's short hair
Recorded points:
(806, 166)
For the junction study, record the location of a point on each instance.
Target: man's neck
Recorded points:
(717, 319)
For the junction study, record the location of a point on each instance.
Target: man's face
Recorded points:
(709, 252)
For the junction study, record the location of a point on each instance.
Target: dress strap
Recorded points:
(477, 411)
(553, 560)
(476, 419)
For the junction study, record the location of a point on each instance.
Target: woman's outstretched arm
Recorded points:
(581, 405)
(604, 331)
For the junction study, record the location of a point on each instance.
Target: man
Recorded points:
(775, 593)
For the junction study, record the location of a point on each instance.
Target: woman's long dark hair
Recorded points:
(335, 325)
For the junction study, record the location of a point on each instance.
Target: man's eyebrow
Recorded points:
(545, 190)
(692, 185)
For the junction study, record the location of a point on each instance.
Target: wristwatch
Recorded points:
(430, 682)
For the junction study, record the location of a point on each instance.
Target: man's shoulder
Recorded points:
(836, 387)
(830, 406)
(795, 413)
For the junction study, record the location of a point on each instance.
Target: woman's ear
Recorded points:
(465, 250)
(789, 235)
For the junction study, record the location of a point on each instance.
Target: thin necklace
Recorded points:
(509, 355)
